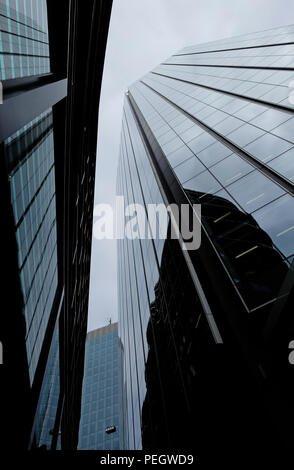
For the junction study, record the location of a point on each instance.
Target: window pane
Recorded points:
(230, 169)
(204, 183)
(180, 155)
(286, 130)
(254, 190)
(277, 219)
(284, 164)
(201, 142)
(270, 119)
(188, 169)
(214, 154)
(267, 147)
(245, 134)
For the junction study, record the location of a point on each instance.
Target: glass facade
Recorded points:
(48, 156)
(155, 289)
(24, 47)
(49, 397)
(101, 398)
(30, 161)
(214, 121)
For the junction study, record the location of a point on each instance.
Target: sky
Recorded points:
(142, 34)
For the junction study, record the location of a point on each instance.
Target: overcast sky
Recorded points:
(142, 34)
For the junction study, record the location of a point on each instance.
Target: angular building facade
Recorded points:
(101, 399)
(48, 137)
(206, 332)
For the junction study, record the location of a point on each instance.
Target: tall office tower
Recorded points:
(51, 61)
(101, 414)
(206, 332)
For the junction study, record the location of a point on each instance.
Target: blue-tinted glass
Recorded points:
(244, 135)
(228, 125)
(203, 183)
(230, 169)
(254, 191)
(277, 219)
(24, 48)
(30, 160)
(213, 154)
(267, 147)
(284, 164)
(99, 402)
(285, 130)
(270, 119)
(201, 142)
(180, 155)
(188, 169)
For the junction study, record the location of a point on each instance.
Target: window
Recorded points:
(180, 155)
(204, 183)
(191, 133)
(230, 169)
(228, 125)
(270, 119)
(213, 154)
(254, 190)
(277, 220)
(188, 169)
(285, 130)
(172, 146)
(250, 111)
(267, 147)
(284, 164)
(201, 142)
(245, 134)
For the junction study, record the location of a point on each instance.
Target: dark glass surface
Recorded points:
(30, 158)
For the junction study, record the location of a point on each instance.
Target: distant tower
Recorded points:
(101, 419)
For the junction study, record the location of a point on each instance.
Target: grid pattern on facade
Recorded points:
(148, 292)
(223, 145)
(101, 391)
(24, 48)
(222, 117)
(30, 160)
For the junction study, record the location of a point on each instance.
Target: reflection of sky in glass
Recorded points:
(30, 158)
(263, 132)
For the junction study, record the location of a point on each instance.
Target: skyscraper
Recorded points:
(101, 418)
(51, 62)
(206, 332)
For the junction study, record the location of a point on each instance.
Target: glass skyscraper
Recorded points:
(30, 159)
(101, 399)
(205, 332)
(24, 43)
(48, 139)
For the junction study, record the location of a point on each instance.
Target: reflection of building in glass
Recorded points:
(48, 139)
(101, 399)
(255, 264)
(205, 333)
